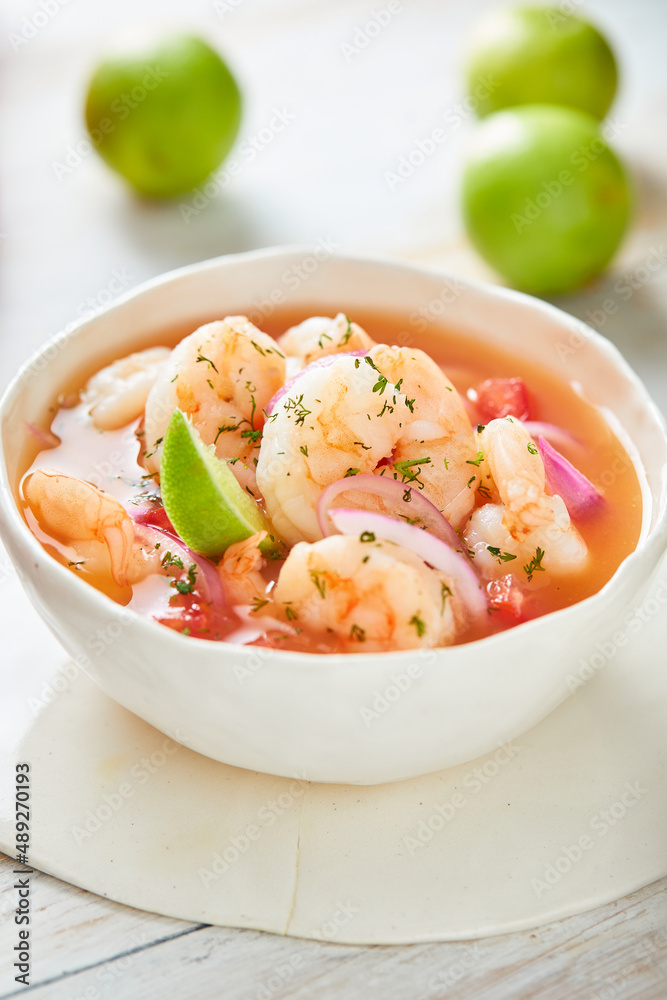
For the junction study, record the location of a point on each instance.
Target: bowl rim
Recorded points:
(12, 521)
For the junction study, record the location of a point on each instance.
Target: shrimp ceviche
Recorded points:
(327, 485)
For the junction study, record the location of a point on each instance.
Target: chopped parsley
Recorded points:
(445, 592)
(500, 556)
(321, 585)
(535, 564)
(418, 624)
(186, 586)
(200, 357)
(296, 406)
(155, 448)
(224, 429)
(168, 560)
(348, 333)
(410, 475)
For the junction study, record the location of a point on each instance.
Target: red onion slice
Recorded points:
(156, 517)
(418, 506)
(556, 436)
(212, 589)
(579, 494)
(328, 359)
(432, 550)
(46, 438)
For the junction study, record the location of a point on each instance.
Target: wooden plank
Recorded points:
(72, 928)
(92, 948)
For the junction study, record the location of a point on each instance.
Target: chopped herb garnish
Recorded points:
(382, 382)
(358, 633)
(535, 564)
(405, 469)
(224, 429)
(258, 348)
(531, 448)
(445, 592)
(348, 333)
(385, 406)
(480, 428)
(257, 604)
(471, 481)
(418, 624)
(290, 613)
(351, 472)
(77, 563)
(248, 490)
(484, 491)
(169, 560)
(304, 450)
(300, 411)
(407, 495)
(366, 536)
(365, 559)
(319, 340)
(476, 461)
(446, 463)
(155, 448)
(500, 556)
(185, 631)
(366, 447)
(208, 361)
(321, 585)
(251, 434)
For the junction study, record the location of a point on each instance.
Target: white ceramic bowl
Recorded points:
(362, 718)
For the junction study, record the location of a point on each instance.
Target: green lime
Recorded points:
(545, 200)
(164, 115)
(539, 55)
(202, 497)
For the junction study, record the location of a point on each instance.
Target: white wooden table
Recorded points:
(68, 244)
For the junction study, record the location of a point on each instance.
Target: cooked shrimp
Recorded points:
(93, 523)
(240, 571)
(372, 595)
(222, 376)
(117, 394)
(527, 524)
(437, 443)
(347, 417)
(320, 336)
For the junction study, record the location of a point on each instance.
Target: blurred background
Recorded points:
(327, 117)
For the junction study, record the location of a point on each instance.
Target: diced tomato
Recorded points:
(506, 598)
(157, 517)
(204, 621)
(503, 397)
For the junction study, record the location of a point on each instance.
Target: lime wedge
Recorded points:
(202, 497)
